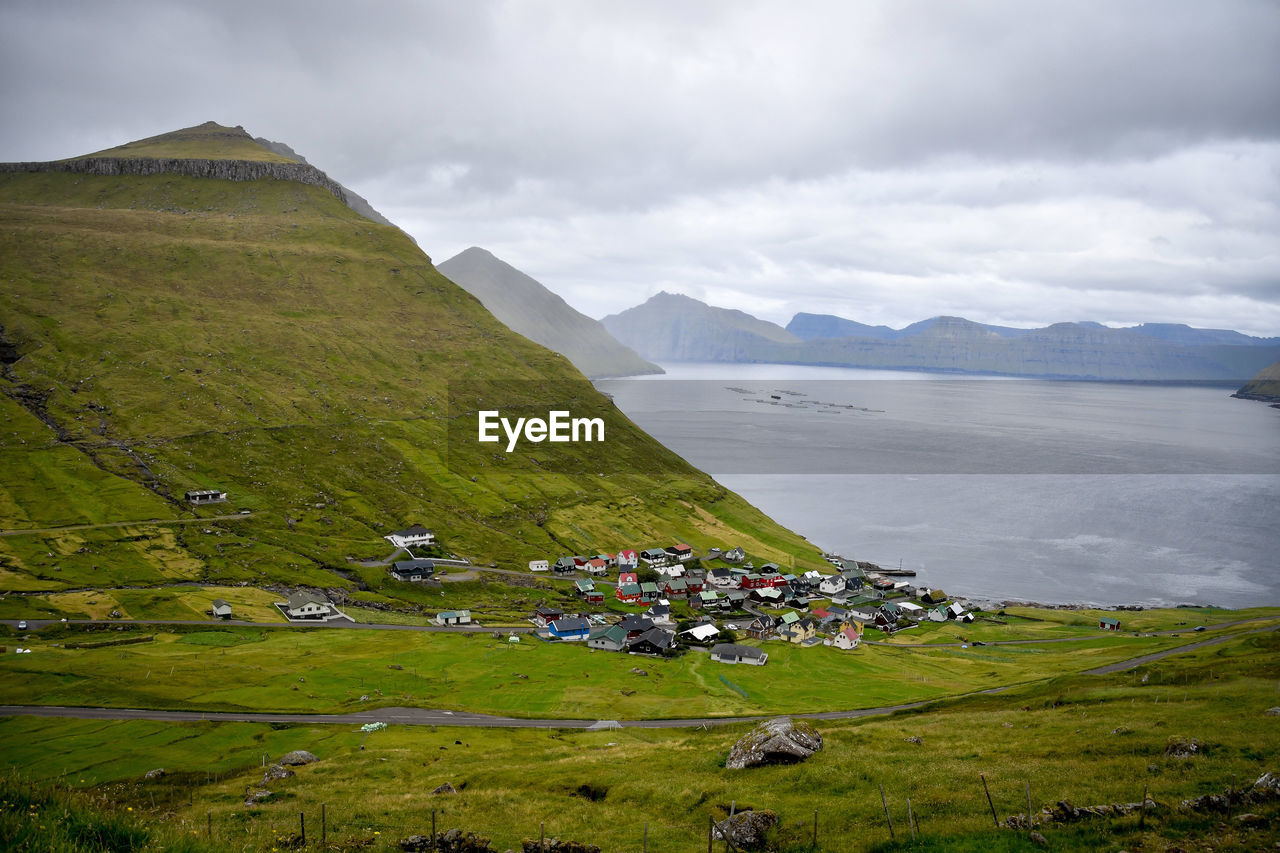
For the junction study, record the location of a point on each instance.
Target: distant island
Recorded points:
(1265, 386)
(673, 327)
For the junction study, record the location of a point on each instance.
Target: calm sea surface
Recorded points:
(1059, 492)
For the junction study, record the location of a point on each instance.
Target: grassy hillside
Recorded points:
(1265, 386)
(165, 333)
(1087, 739)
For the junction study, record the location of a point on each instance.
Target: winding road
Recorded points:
(432, 717)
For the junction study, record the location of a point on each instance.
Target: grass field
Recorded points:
(329, 670)
(1086, 739)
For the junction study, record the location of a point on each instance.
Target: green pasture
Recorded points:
(328, 670)
(1087, 739)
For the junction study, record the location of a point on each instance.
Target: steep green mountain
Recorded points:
(670, 326)
(196, 322)
(677, 328)
(528, 307)
(1265, 386)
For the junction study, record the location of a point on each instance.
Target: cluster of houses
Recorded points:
(604, 563)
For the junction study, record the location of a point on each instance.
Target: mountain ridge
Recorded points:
(528, 307)
(662, 329)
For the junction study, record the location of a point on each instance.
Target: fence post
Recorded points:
(646, 838)
(994, 819)
(434, 844)
(911, 820)
(885, 803)
(1028, 783)
(302, 827)
(711, 826)
(815, 829)
(1142, 813)
(542, 838)
(322, 824)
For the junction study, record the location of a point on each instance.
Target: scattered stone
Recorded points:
(1251, 819)
(745, 830)
(916, 739)
(453, 841)
(1273, 712)
(395, 666)
(446, 788)
(297, 758)
(638, 671)
(1122, 730)
(154, 774)
(1037, 838)
(556, 845)
(1182, 747)
(777, 741)
(276, 771)
(254, 796)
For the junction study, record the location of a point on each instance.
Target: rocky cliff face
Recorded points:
(228, 170)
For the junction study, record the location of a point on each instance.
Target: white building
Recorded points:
(411, 537)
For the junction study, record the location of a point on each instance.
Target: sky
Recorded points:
(1009, 161)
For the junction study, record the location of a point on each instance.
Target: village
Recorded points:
(661, 601)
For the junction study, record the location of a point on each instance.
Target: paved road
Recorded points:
(48, 530)
(431, 717)
(37, 624)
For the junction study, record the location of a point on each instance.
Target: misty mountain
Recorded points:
(525, 306)
(678, 328)
(674, 327)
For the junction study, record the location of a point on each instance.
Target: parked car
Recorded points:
(22, 626)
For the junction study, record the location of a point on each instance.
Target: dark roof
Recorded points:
(218, 602)
(406, 565)
(656, 637)
(722, 649)
(416, 530)
(636, 622)
(571, 624)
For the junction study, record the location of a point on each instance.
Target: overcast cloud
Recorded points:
(1011, 162)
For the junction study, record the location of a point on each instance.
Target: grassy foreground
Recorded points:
(1090, 740)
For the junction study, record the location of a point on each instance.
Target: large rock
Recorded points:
(777, 741)
(746, 830)
(274, 772)
(297, 757)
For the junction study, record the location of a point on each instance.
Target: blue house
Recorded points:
(570, 628)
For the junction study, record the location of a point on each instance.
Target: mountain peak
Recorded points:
(208, 141)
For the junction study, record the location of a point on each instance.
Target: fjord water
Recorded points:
(998, 489)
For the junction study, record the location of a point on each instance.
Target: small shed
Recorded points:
(1108, 624)
(453, 617)
(206, 496)
(221, 610)
(734, 653)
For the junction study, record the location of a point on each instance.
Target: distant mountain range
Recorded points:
(525, 306)
(670, 327)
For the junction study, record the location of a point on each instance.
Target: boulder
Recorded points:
(1182, 747)
(257, 795)
(777, 741)
(154, 774)
(446, 788)
(746, 830)
(276, 771)
(1273, 712)
(297, 758)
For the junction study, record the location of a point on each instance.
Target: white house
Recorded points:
(539, 566)
(733, 653)
(453, 617)
(628, 559)
(221, 610)
(832, 584)
(308, 605)
(206, 496)
(411, 537)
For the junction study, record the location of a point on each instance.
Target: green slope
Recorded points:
(1265, 386)
(167, 332)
